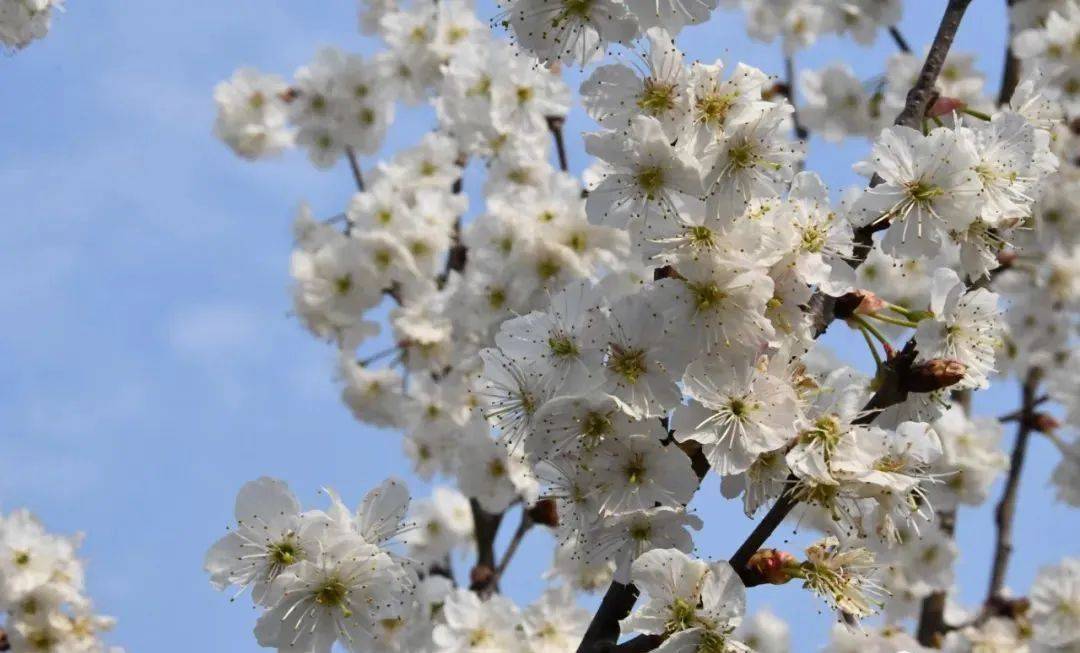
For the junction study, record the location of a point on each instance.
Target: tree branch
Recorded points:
(483, 578)
(555, 126)
(932, 624)
(1017, 414)
(519, 534)
(772, 520)
(789, 90)
(918, 100)
(1006, 507)
(1010, 73)
(901, 42)
(603, 631)
(350, 154)
(920, 95)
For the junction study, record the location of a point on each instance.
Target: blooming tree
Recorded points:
(41, 590)
(587, 352)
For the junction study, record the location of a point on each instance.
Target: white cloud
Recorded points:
(214, 329)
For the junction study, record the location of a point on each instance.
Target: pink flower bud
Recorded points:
(943, 106)
(935, 374)
(773, 565)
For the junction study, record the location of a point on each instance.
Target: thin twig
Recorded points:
(901, 42)
(555, 126)
(1017, 414)
(932, 624)
(519, 534)
(1006, 507)
(789, 90)
(920, 95)
(483, 579)
(1010, 72)
(350, 154)
(364, 362)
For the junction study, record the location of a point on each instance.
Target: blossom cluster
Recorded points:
(23, 21)
(333, 576)
(42, 591)
(599, 350)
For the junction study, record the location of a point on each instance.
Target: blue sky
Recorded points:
(149, 364)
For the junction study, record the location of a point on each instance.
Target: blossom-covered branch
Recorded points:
(592, 350)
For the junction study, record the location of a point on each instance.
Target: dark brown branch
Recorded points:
(603, 632)
(1010, 73)
(772, 520)
(444, 569)
(459, 252)
(1010, 77)
(640, 644)
(519, 534)
(920, 95)
(354, 164)
(483, 578)
(1006, 507)
(899, 39)
(555, 126)
(932, 626)
(1017, 414)
(789, 90)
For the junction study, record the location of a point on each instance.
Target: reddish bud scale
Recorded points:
(1044, 423)
(943, 106)
(481, 576)
(545, 512)
(935, 374)
(772, 565)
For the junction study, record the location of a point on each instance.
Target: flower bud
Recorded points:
(545, 512)
(858, 302)
(1007, 257)
(943, 106)
(773, 565)
(935, 374)
(481, 576)
(1044, 423)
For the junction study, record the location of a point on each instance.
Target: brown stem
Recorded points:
(519, 534)
(932, 624)
(483, 578)
(1010, 77)
(789, 90)
(603, 632)
(354, 164)
(920, 95)
(1010, 73)
(555, 126)
(779, 510)
(1017, 414)
(901, 42)
(640, 644)
(1006, 507)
